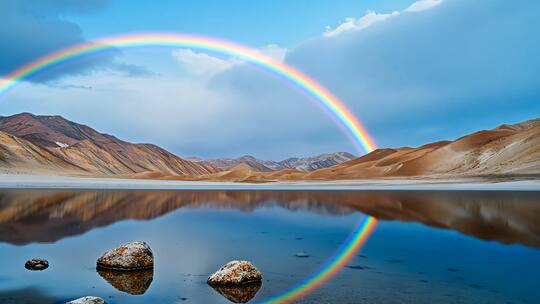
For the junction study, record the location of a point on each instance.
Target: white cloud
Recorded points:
(372, 17)
(426, 67)
(422, 5)
(274, 51)
(201, 64)
(206, 66)
(353, 24)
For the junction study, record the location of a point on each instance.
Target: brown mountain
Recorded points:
(51, 143)
(506, 151)
(509, 150)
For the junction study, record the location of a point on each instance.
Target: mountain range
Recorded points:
(306, 164)
(54, 145)
(506, 151)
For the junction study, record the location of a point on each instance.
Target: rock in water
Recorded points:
(87, 300)
(302, 254)
(36, 264)
(235, 273)
(130, 256)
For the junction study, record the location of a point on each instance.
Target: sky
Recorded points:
(413, 72)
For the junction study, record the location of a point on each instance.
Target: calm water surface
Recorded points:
(428, 247)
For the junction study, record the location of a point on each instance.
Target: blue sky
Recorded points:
(249, 22)
(412, 71)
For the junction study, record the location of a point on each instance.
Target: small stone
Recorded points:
(87, 300)
(36, 264)
(359, 267)
(235, 273)
(302, 254)
(130, 256)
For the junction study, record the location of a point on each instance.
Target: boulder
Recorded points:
(87, 300)
(36, 264)
(235, 273)
(130, 256)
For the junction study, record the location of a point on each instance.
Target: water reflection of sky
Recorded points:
(408, 262)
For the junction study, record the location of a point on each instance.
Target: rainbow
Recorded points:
(326, 100)
(330, 267)
(331, 104)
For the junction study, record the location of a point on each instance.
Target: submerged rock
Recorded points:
(359, 267)
(302, 254)
(87, 300)
(36, 264)
(130, 256)
(235, 273)
(133, 282)
(239, 293)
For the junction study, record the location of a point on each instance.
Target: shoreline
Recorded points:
(23, 181)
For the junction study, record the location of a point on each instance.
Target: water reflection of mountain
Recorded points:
(28, 216)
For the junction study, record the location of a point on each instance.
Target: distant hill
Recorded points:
(32, 143)
(298, 163)
(509, 150)
(506, 151)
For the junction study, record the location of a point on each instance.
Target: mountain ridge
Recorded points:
(54, 145)
(94, 152)
(306, 164)
(505, 151)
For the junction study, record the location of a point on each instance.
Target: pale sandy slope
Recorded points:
(504, 151)
(507, 151)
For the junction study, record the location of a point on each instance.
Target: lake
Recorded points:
(427, 246)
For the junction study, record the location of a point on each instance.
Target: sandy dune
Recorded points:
(507, 151)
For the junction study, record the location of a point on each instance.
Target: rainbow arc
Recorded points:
(337, 110)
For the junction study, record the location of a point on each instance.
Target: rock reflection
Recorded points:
(28, 216)
(133, 282)
(239, 294)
